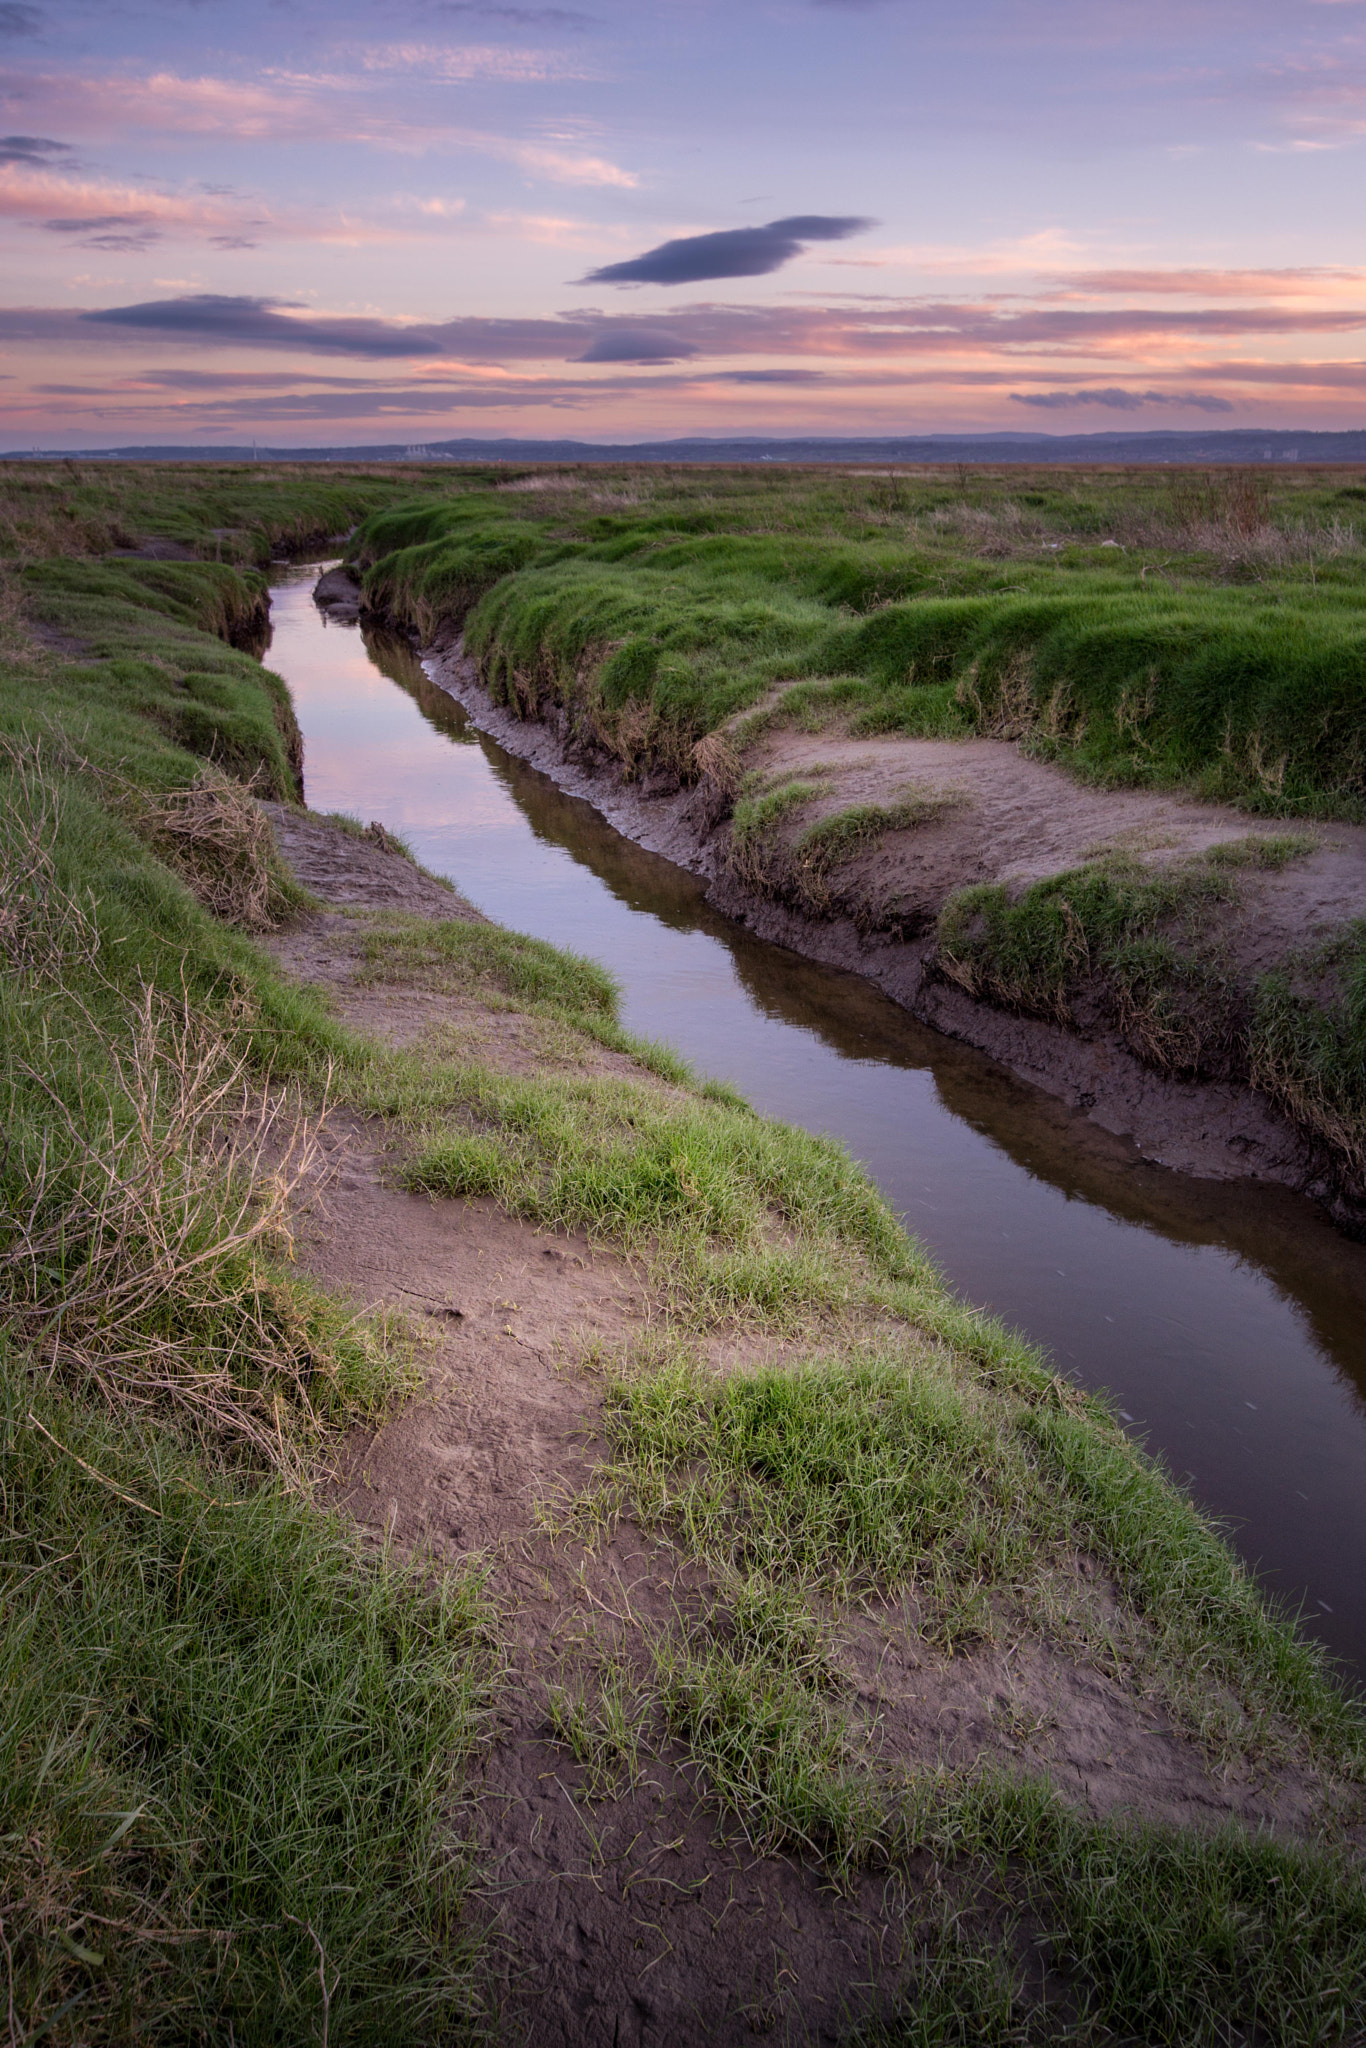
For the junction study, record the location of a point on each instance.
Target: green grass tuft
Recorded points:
(733, 1214)
(1308, 1045)
(223, 1726)
(459, 953)
(1143, 1933)
(876, 1467)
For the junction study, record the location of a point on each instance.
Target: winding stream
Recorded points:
(1229, 1322)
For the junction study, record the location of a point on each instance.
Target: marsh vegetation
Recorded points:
(235, 1801)
(1147, 628)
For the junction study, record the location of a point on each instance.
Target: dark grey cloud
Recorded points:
(18, 20)
(93, 222)
(1116, 399)
(31, 149)
(263, 323)
(217, 319)
(206, 380)
(731, 252)
(235, 322)
(886, 332)
(632, 345)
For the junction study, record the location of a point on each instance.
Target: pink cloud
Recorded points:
(38, 196)
(457, 63)
(1213, 283)
(288, 109)
(1198, 348)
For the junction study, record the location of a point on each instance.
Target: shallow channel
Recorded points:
(1228, 1322)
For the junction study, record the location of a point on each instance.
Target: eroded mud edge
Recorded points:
(1217, 1131)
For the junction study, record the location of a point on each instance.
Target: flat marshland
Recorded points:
(498, 1540)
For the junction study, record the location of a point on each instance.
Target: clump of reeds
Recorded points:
(1237, 501)
(137, 1255)
(219, 841)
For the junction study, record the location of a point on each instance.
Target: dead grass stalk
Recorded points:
(133, 1261)
(219, 841)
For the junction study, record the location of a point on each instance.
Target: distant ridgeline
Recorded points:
(1224, 447)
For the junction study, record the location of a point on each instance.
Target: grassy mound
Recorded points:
(1143, 632)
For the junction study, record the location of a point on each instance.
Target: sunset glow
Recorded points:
(780, 217)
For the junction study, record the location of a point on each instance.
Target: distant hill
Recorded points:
(1241, 446)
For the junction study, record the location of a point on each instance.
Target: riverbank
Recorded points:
(1017, 758)
(728, 1667)
(1222, 1129)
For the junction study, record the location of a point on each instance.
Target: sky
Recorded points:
(309, 224)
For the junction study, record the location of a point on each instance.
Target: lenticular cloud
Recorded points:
(732, 252)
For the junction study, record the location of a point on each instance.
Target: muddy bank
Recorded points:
(999, 817)
(1219, 1130)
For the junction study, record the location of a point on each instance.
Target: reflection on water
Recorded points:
(1227, 1321)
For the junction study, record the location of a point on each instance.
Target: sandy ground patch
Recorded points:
(1017, 821)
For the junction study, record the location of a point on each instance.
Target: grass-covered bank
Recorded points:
(1200, 635)
(906, 1471)
(231, 1739)
(234, 1739)
(1146, 629)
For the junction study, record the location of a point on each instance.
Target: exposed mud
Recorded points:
(339, 595)
(359, 867)
(630, 1914)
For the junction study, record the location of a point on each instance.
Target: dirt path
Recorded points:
(619, 1908)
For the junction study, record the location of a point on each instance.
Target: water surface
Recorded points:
(1228, 1322)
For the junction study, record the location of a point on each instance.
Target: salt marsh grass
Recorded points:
(1204, 634)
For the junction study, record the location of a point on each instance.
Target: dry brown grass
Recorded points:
(38, 523)
(133, 1262)
(996, 531)
(1315, 1100)
(716, 755)
(1237, 502)
(14, 636)
(219, 841)
(1010, 710)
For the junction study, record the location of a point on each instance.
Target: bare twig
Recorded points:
(307, 1925)
(132, 1501)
